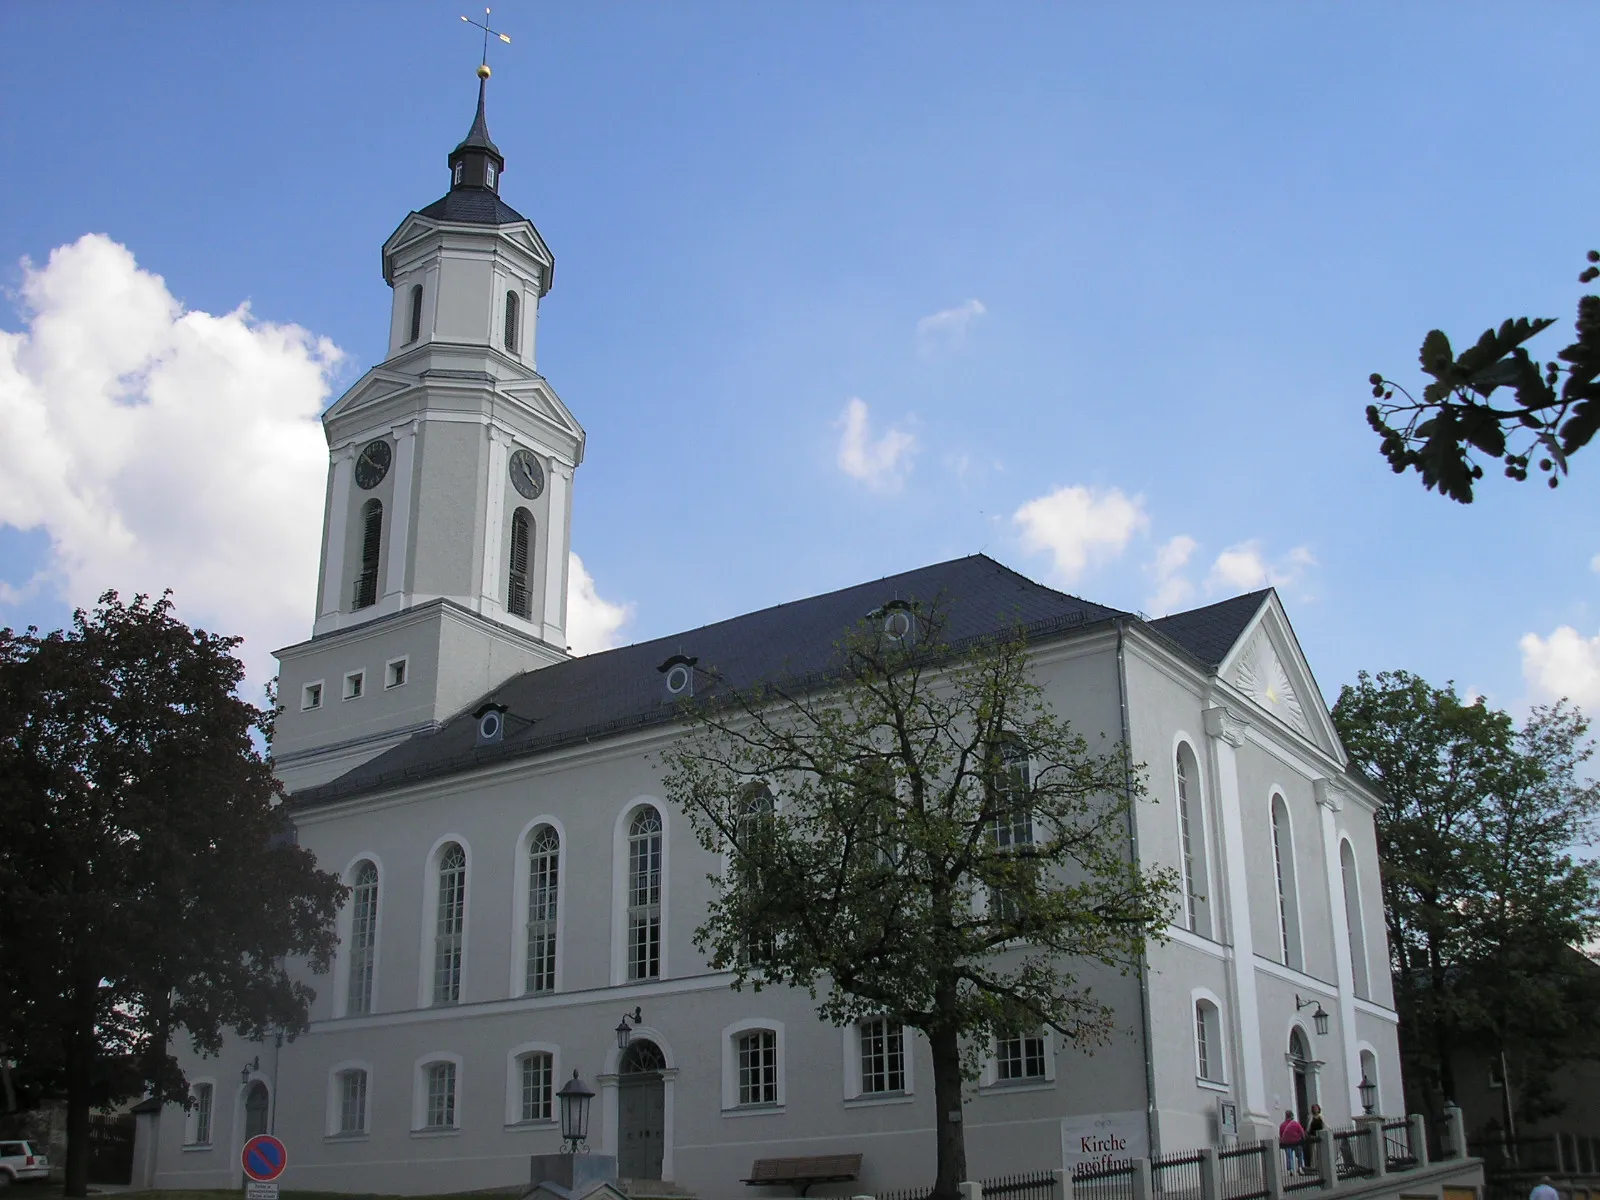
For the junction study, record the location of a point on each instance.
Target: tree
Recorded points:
(1457, 418)
(147, 882)
(917, 837)
(1484, 899)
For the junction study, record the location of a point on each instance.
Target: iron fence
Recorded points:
(1040, 1185)
(1177, 1175)
(916, 1193)
(1243, 1170)
(1352, 1159)
(1398, 1152)
(1112, 1182)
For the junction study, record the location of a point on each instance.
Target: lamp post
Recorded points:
(1369, 1093)
(625, 1030)
(1320, 1017)
(573, 1100)
(249, 1069)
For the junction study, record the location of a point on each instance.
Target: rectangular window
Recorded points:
(441, 1111)
(352, 1102)
(1020, 1057)
(394, 673)
(451, 925)
(311, 696)
(883, 1057)
(758, 1067)
(353, 684)
(536, 1083)
(202, 1114)
(363, 938)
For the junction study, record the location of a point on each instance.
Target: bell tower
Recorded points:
(448, 506)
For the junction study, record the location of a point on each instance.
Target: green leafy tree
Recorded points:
(1484, 898)
(1544, 411)
(916, 836)
(147, 884)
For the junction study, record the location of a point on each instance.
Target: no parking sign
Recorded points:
(264, 1159)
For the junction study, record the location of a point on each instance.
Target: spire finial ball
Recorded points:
(483, 71)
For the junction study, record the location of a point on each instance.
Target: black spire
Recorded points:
(477, 161)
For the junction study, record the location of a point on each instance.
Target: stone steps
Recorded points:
(654, 1189)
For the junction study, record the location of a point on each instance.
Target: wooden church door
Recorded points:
(641, 1111)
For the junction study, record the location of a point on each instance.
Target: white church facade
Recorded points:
(519, 882)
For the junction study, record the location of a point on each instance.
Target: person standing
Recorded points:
(1292, 1137)
(1545, 1190)
(1314, 1129)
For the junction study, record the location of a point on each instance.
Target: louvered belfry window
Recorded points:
(511, 322)
(416, 312)
(371, 542)
(518, 597)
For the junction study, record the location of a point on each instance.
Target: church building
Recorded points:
(518, 882)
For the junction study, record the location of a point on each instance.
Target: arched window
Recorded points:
(416, 312)
(351, 1093)
(1352, 920)
(371, 545)
(519, 599)
(1208, 1041)
(1192, 834)
(1011, 822)
(536, 1075)
(450, 924)
(256, 1105)
(644, 895)
(455, 175)
(752, 822)
(1369, 1074)
(1283, 872)
(544, 866)
(1302, 1075)
(363, 937)
(511, 322)
(439, 1095)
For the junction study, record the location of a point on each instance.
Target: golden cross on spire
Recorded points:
(484, 25)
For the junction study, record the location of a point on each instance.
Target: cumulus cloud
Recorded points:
(881, 462)
(947, 328)
(1564, 664)
(1080, 524)
(1173, 588)
(1243, 567)
(593, 623)
(158, 447)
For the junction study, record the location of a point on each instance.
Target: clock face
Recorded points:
(373, 464)
(527, 476)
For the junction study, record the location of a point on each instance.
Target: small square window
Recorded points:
(394, 672)
(488, 173)
(354, 685)
(311, 696)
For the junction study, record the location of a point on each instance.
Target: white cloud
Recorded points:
(1594, 563)
(947, 328)
(882, 463)
(1243, 567)
(162, 448)
(593, 623)
(1173, 588)
(1077, 524)
(1564, 664)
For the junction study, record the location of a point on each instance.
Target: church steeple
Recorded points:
(477, 162)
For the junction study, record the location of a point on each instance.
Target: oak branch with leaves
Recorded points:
(916, 836)
(1554, 413)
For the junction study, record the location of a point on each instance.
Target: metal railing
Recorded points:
(1112, 1182)
(1177, 1176)
(1243, 1171)
(1040, 1185)
(1352, 1156)
(1398, 1152)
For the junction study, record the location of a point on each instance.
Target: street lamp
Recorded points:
(249, 1069)
(1320, 1016)
(573, 1099)
(1369, 1093)
(625, 1030)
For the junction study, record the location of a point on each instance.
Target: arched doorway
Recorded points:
(641, 1110)
(255, 1109)
(1301, 1069)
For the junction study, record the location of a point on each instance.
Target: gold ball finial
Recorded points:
(483, 70)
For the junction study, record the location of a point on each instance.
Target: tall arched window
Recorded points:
(1192, 835)
(416, 312)
(512, 304)
(1283, 872)
(1011, 825)
(1208, 1042)
(752, 823)
(519, 598)
(450, 924)
(371, 546)
(644, 895)
(544, 866)
(1352, 920)
(363, 937)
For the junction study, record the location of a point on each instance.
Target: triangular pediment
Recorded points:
(374, 387)
(1267, 667)
(540, 399)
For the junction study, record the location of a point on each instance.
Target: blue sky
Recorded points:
(1106, 281)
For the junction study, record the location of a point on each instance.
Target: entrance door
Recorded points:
(1300, 1060)
(255, 1109)
(641, 1111)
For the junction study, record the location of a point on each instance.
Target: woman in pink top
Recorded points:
(1292, 1137)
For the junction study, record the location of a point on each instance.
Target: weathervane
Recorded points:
(483, 68)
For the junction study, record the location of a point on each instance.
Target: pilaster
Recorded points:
(405, 461)
(1330, 800)
(333, 597)
(492, 589)
(558, 536)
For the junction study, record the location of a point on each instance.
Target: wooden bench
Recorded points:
(803, 1172)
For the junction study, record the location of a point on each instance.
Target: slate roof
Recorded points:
(614, 691)
(1209, 633)
(472, 206)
